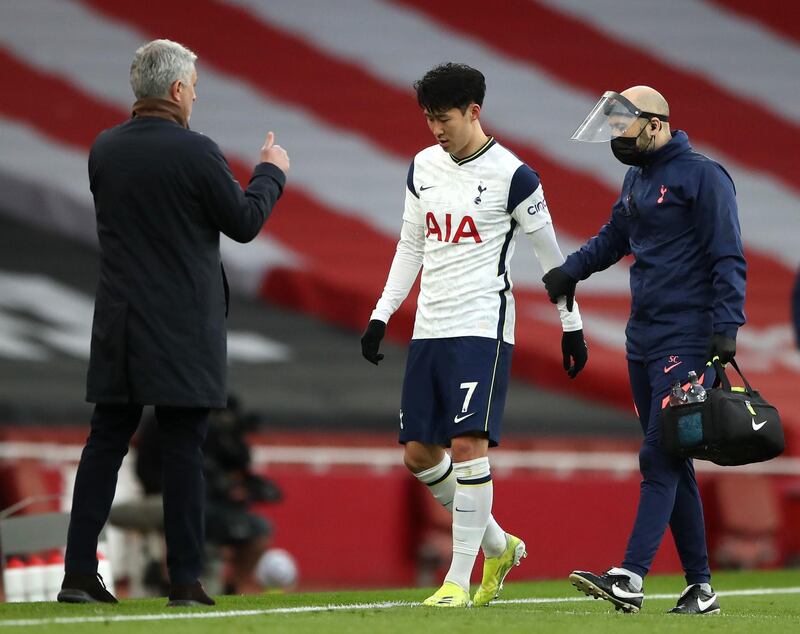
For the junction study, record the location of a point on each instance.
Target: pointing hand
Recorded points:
(275, 154)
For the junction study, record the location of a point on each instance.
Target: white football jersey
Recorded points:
(471, 210)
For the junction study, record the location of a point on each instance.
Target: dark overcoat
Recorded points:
(162, 195)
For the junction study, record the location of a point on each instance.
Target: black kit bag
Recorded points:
(733, 426)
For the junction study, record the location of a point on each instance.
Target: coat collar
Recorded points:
(678, 144)
(161, 108)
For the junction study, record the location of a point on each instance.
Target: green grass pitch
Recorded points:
(762, 602)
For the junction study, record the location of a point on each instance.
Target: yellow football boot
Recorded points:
(450, 595)
(495, 570)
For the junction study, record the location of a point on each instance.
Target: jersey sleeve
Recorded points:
(526, 201)
(545, 246)
(412, 212)
(405, 268)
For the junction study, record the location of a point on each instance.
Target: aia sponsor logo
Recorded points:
(466, 229)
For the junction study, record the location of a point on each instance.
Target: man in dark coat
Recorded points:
(162, 194)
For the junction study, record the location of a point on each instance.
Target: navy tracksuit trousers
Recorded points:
(181, 433)
(669, 493)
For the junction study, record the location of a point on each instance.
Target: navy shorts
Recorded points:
(452, 387)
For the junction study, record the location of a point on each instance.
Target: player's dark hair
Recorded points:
(450, 86)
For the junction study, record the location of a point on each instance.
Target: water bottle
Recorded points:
(697, 393)
(53, 575)
(13, 580)
(678, 396)
(35, 579)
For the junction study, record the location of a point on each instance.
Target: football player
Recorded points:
(466, 199)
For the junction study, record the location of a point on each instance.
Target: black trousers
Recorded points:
(181, 434)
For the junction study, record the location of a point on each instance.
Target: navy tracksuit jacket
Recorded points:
(678, 217)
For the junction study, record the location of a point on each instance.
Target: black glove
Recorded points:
(722, 347)
(558, 284)
(573, 347)
(371, 340)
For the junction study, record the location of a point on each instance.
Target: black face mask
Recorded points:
(625, 150)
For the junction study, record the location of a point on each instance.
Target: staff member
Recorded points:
(162, 195)
(677, 215)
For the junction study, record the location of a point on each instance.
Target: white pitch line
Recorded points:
(205, 615)
(729, 593)
(339, 608)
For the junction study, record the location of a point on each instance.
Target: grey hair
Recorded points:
(157, 64)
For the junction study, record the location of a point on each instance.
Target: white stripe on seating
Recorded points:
(747, 58)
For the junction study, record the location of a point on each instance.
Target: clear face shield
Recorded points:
(611, 117)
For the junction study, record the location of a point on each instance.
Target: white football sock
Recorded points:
(636, 580)
(494, 539)
(441, 482)
(472, 507)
